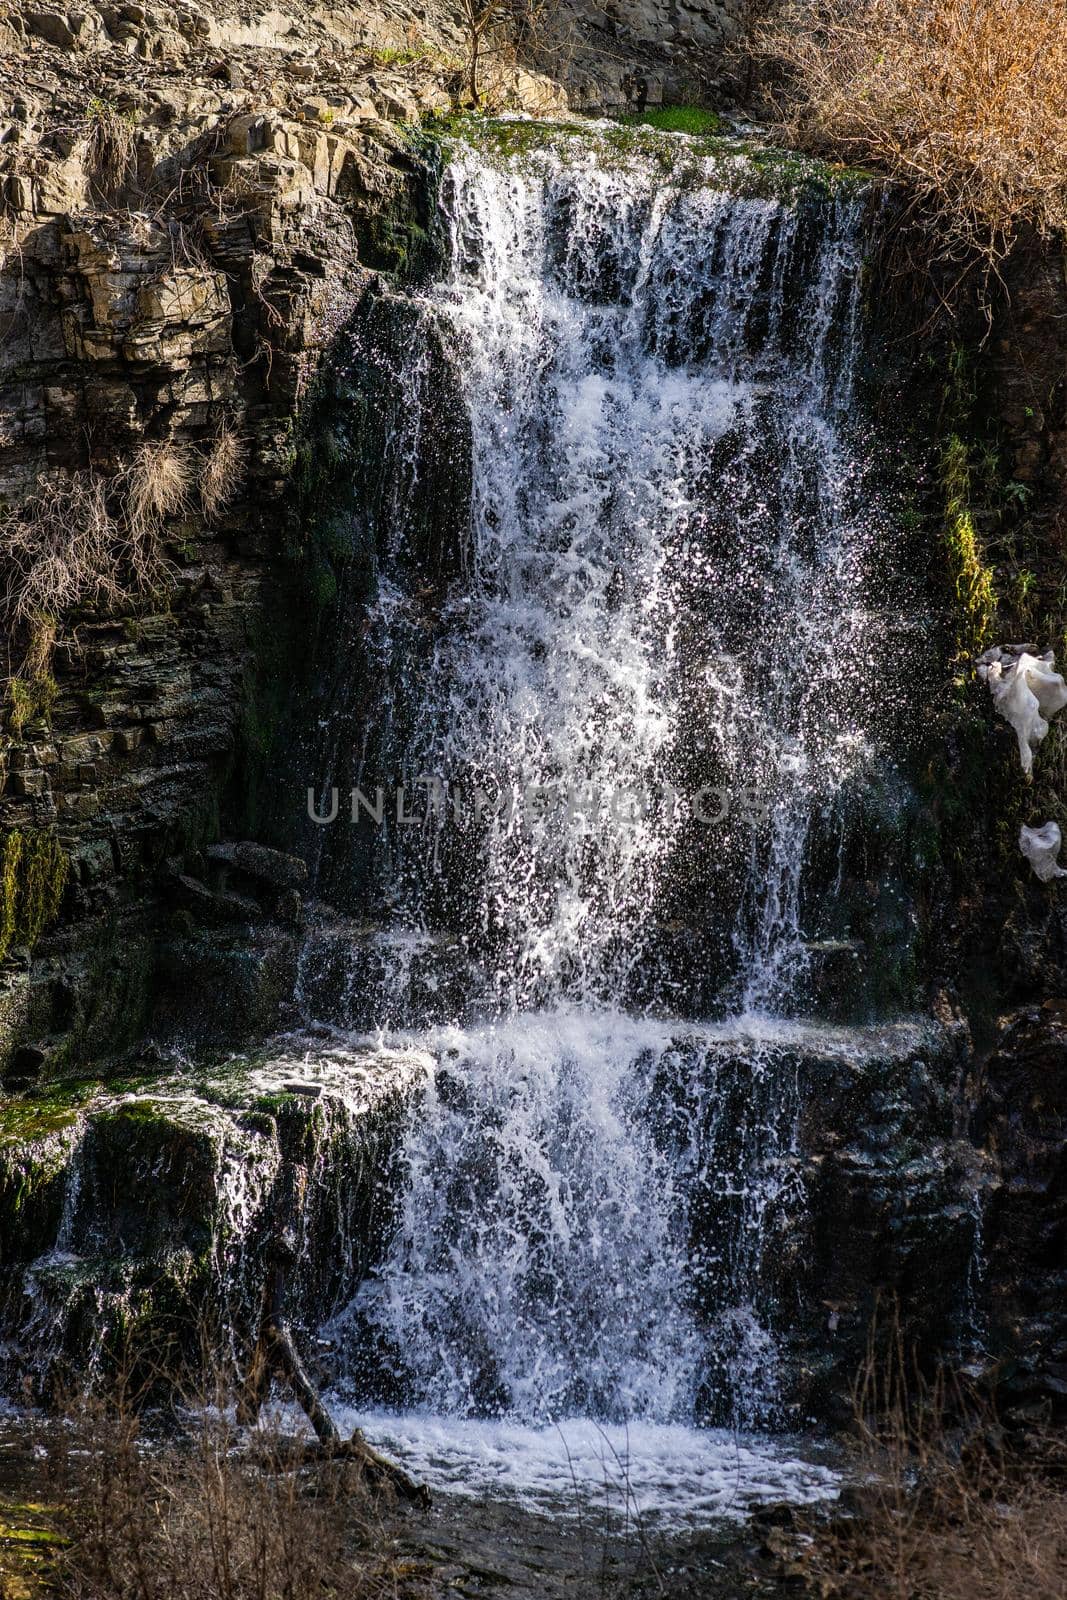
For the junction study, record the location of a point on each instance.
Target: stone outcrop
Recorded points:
(90, 1274)
(1021, 1111)
(890, 1218)
(169, 270)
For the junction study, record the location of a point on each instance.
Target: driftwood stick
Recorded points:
(276, 1352)
(256, 1387)
(375, 1467)
(287, 1363)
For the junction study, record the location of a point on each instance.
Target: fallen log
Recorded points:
(276, 1354)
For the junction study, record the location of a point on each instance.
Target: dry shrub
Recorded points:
(211, 1514)
(10, 238)
(158, 485)
(499, 35)
(222, 471)
(108, 146)
(86, 540)
(942, 1508)
(59, 550)
(963, 100)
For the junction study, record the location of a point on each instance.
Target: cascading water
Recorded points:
(642, 702)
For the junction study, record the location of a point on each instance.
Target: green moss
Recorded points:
(398, 232)
(745, 167)
(676, 119)
(30, 698)
(31, 1121)
(33, 874)
(973, 581)
(28, 1545)
(37, 1139)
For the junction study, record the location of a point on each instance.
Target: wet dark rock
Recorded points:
(258, 861)
(225, 988)
(130, 1211)
(25, 1067)
(1019, 1118)
(213, 905)
(355, 974)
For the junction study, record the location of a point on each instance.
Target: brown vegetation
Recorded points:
(157, 486)
(109, 146)
(965, 101)
(501, 34)
(220, 476)
(944, 1505)
(83, 539)
(58, 550)
(213, 1514)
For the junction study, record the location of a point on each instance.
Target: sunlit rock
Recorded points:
(1041, 847)
(1026, 691)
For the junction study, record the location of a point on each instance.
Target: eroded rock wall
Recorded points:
(200, 303)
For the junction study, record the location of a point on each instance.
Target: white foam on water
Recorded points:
(667, 1478)
(670, 562)
(584, 1203)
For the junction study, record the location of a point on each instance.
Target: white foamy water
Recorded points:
(669, 573)
(665, 1478)
(545, 1260)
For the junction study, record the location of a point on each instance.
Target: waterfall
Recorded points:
(633, 718)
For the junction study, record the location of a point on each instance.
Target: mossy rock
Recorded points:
(37, 1142)
(167, 1149)
(29, 1542)
(688, 146)
(396, 220)
(33, 875)
(694, 120)
(137, 1213)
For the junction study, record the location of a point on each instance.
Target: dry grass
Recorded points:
(109, 146)
(86, 540)
(222, 471)
(158, 484)
(963, 100)
(942, 1508)
(59, 550)
(211, 1514)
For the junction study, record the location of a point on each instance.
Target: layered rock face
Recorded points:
(125, 327)
(175, 257)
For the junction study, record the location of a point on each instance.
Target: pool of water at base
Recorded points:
(658, 1478)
